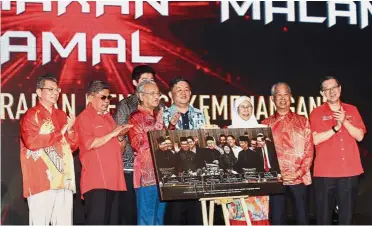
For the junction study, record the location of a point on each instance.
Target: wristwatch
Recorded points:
(334, 129)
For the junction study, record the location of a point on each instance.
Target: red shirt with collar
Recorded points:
(46, 154)
(101, 167)
(293, 144)
(339, 155)
(143, 121)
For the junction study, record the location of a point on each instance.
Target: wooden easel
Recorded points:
(222, 201)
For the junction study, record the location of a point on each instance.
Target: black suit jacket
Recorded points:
(273, 159)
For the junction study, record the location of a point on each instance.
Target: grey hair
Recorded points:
(280, 83)
(141, 86)
(96, 86)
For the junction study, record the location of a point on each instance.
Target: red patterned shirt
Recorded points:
(143, 121)
(293, 144)
(46, 154)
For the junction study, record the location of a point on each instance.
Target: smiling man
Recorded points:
(294, 149)
(47, 142)
(102, 177)
(336, 129)
(150, 210)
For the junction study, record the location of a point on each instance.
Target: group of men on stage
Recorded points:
(108, 145)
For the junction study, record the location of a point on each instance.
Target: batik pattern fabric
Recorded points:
(143, 121)
(293, 145)
(46, 154)
(123, 110)
(196, 117)
(258, 211)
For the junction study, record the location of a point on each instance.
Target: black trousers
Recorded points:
(187, 212)
(277, 205)
(328, 191)
(128, 203)
(101, 207)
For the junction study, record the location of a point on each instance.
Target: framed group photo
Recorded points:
(193, 164)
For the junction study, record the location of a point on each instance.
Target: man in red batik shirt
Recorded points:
(336, 127)
(102, 176)
(294, 149)
(150, 210)
(47, 142)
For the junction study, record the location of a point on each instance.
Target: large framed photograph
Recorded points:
(192, 164)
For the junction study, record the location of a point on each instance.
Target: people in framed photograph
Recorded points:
(258, 206)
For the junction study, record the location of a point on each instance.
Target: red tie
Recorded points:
(265, 161)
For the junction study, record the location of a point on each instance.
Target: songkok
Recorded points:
(260, 135)
(244, 138)
(160, 139)
(182, 139)
(209, 138)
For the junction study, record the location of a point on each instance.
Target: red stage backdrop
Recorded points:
(226, 49)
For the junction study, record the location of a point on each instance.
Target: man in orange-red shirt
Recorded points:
(336, 127)
(47, 142)
(294, 149)
(102, 177)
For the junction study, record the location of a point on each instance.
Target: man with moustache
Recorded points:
(123, 109)
(47, 142)
(150, 210)
(336, 127)
(222, 140)
(102, 177)
(294, 150)
(182, 115)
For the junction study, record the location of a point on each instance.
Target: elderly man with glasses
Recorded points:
(47, 142)
(102, 177)
(294, 149)
(124, 108)
(336, 128)
(150, 211)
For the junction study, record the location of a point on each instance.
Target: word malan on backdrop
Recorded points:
(224, 48)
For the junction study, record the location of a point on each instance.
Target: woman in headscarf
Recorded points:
(258, 206)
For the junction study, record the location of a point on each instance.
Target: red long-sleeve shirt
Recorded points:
(143, 121)
(293, 144)
(46, 154)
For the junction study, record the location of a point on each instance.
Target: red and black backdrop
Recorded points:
(225, 49)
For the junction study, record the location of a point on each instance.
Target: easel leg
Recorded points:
(245, 209)
(225, 214)
(211, 212)
(204, 211)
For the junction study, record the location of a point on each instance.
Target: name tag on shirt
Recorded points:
(328, 117)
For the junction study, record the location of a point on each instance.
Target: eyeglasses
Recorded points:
(153, 94)
(332, 89)
(244, 107)
(58, 90)
(106, 97)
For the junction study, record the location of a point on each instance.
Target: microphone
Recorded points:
(161, 105)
